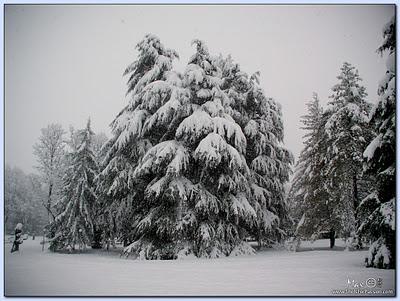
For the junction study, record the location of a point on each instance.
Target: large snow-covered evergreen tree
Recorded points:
(380, 160)
(197, 197)
(75, 219)
(176, 177)
(348, 133)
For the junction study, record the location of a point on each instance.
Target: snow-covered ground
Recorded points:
(269, 273)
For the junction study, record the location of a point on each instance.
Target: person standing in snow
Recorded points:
(18, 238)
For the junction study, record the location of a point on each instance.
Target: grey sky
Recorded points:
(65, 63)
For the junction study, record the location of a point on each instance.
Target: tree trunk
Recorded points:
(49, 213)
(97, 233)
(24, 220)
(332, 237)
(355, 193)
(355, 202)
(259, 239)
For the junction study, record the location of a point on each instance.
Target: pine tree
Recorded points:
(301, 187)
(177, 164)
(75, 219)
(348, 134)
(197, 195)
(136, 128)
(380, 160)
(313, 209)
(260, 118)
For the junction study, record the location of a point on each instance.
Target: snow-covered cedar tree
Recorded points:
(75, 219)
(154, 99)
(312, 208)
(176, 166)
(380, 160)
(348, 134)
(197, 200)
(260, 118)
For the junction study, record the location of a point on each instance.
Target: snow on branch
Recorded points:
(213, 149)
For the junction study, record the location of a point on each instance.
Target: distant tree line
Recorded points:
(23, 195)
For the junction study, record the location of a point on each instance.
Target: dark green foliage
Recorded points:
(75, 218)
(378, 208)
(176, 179)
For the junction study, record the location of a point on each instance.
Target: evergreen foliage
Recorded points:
(260, 118)
(378, 207)
(75, 219)
(326, 188)
(313, 210)
(178, 165)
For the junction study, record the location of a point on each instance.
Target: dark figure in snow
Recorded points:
(18, 238)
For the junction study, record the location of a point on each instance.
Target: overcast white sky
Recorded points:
(65, 63)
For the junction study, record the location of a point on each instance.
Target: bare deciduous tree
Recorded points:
(50, 155)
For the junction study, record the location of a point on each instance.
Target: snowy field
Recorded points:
(315, 270)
